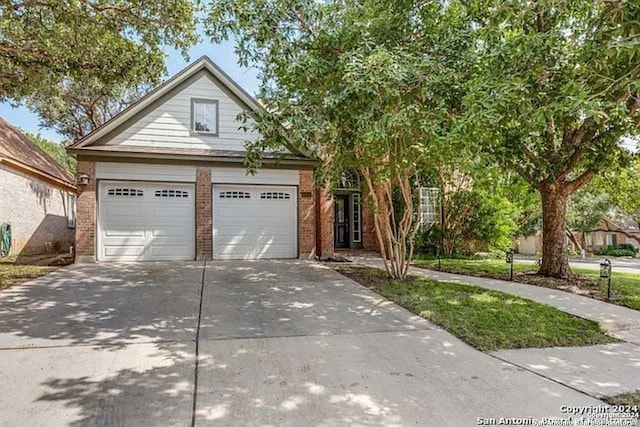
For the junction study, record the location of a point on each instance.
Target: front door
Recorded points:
(341, 218)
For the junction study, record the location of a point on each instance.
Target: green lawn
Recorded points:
(625, 287)
(630, 399)
(11, 274)
(14, 270)
(487, 320)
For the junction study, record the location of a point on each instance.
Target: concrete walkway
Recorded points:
(599, 371)
(243, 343)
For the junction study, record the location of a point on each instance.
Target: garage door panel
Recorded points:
(264, 229)
(123, 251)
(167, 252)
(123, 231)
(170, 231)
(254, 222)
(117, 211)
(174, 212)
(158, 223)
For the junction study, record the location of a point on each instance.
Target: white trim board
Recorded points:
(262, 177)
(145, 172)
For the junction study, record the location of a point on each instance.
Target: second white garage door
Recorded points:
(254, 222)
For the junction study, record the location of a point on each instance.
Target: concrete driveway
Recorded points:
(242, 343)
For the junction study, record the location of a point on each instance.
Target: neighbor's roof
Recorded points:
(203, 63)
(17, 150)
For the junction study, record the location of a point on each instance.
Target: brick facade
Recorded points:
(204, 214)
(326, 223)
(37, 212)
(306, 215)
(369, 238)
(86, 214)
(311, 201)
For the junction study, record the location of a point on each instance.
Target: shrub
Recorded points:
(628, 246)
(622, 250)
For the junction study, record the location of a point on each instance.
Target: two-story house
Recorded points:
(165, 180)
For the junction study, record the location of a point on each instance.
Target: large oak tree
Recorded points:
(46, 42)
(557, 85)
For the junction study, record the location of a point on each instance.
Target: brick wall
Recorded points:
(307, 216)
(326, 222)
(369, 238)
(204, 214)
(37, 213)
(86, 215)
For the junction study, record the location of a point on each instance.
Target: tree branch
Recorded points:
(583, 179)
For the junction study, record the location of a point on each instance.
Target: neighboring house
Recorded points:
(605, 233)
(37, 196)
(529, 245)
(164, 180)
(610, 233)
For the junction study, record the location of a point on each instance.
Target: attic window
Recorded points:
(204, 116)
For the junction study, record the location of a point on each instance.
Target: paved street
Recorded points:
(277, 343)
(625, 265)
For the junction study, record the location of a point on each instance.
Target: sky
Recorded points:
(222, 54)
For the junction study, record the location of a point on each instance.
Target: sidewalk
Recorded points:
(602, 370)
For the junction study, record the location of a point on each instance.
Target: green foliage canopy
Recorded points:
(75, 108)
(54, 149)
(46, 42)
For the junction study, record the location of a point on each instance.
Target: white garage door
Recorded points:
(146, 221)
(253, 222)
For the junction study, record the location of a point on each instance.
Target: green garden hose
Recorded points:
(5, 239)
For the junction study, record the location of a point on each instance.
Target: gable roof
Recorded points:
(18, 151)
(203, 63)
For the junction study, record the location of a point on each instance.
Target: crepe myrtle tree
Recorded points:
(367, 86)
(556, 87)
(45, 42)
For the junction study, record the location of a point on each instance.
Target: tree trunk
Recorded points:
(555, 260)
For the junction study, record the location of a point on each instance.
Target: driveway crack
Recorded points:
(197, 356)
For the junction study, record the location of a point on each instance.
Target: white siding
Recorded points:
(262, 176)
(169, 125)
(143, 172)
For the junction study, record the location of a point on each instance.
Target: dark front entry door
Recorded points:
(341, 221)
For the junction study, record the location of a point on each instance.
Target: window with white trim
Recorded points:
(125, 192)
(429, 206)
(234, 195)
(171, 193)
(204, 116)
(71, 210)
(275, 195)
(357, 214)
